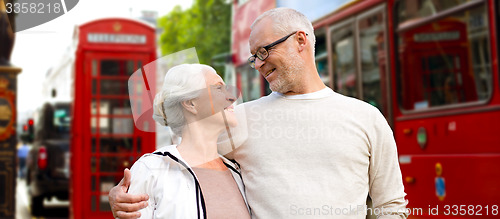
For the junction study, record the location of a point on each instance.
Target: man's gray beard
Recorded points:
(283, 83)
(286, 80)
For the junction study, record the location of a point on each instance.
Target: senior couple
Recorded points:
(309, 152)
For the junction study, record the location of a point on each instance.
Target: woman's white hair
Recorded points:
(183, 82)
(287, 20)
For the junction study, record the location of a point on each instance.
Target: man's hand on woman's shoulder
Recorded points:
(125, 205)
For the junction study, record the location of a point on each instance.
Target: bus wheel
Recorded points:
(36, 205)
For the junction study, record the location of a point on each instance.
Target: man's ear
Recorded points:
(302, 40)
(189, 105)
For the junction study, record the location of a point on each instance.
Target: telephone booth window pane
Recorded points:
(112, 67)
(103, 125)
(93, 183)
(445, 62)
(122, 126)
(93, 203)
(146, 126)
(116, 145)
(94, 86)
(130, 67)
(93, 107)
(93, 164)
(115, 125)
(93, 144)
(138, 106)
(94, 68)
(106, 183)
(344, 65)
(104, 206)
(139, 144)
(115, 164)
(115, 107)
(109, 164)
(138, 88)
(114, 87)
(373, 68)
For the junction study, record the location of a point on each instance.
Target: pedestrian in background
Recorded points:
(22, 154)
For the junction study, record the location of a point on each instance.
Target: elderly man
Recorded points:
(310, 152)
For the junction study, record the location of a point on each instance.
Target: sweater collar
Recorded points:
(325, 92)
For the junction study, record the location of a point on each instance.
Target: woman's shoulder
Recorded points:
(157, 159)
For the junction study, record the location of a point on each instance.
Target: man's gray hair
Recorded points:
(287, 20)
(183, 82)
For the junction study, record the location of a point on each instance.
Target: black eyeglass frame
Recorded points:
(252, 58)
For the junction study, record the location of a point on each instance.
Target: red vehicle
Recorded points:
(431, 67)
(94, 78)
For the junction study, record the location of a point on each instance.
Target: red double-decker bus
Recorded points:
(431, 67)
(94, 79)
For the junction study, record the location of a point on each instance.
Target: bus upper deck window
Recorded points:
(414, 9)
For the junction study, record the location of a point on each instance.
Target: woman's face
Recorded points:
(215, 102)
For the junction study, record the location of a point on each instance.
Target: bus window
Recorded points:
(344, 65)
(414, 9)
(373, 59)
(444, 62)
(321, 56)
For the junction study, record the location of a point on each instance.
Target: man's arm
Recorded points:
(386, 182)
(125, 205)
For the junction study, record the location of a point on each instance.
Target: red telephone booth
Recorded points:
(105, 140)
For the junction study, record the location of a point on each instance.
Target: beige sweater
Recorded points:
(317, 157)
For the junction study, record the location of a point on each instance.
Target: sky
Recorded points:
(39, 48)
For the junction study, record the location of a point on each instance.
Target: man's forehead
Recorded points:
(260, 33)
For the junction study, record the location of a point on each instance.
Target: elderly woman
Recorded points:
(191, 180)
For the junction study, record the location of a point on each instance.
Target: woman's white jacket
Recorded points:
(173, 188)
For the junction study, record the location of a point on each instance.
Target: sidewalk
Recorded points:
(54, 209)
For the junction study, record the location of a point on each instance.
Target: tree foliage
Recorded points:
(205, 26)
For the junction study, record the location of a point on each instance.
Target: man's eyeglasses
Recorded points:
(262, 53)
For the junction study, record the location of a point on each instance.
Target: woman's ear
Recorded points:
(302, 40)
(189, 105)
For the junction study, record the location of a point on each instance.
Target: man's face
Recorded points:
(283, 65)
